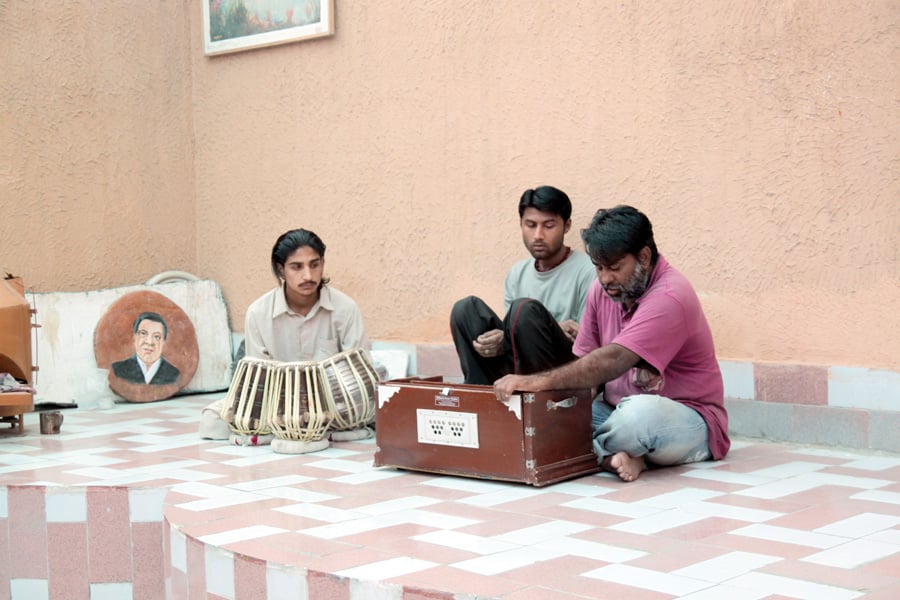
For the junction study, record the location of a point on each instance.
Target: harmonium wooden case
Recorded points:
(535, 438)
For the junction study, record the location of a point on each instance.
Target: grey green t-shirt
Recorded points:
(562, 290)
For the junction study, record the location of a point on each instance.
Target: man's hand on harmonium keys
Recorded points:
(508, 385)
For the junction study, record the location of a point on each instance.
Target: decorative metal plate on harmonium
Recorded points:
(536, 438)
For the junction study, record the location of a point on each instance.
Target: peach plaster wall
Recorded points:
(759, 136)
(96, 149)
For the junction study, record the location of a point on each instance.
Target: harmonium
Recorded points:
(535, 438)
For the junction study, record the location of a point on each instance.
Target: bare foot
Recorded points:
(627, 467)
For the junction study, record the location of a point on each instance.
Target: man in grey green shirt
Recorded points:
(543, 298)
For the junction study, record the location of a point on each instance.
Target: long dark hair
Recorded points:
(290, 241)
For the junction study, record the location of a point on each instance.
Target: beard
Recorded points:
(633, 289)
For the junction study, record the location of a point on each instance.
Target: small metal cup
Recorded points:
(51, 422)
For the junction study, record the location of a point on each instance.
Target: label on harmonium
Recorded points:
(446, 400)
(447, 428)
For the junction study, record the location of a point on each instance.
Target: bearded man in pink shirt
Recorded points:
(644, 343)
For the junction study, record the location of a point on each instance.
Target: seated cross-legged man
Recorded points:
(645, 342)
(543, 298)
(303, 318)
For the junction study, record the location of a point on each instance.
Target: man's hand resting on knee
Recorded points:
(489, 343)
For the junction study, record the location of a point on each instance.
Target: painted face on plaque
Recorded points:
(149, 346)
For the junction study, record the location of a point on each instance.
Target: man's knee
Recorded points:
(632, 415)
(527, 313)
(639, 405)
(527, 307)
(465, 308)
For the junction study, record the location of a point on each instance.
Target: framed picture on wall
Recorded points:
(233, 25)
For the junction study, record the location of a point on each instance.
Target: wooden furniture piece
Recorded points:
(13, 406)
(535, 438)
(15, 351)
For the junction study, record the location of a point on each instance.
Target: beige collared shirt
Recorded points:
(273, 331)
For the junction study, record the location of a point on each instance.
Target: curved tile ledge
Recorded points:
(130, 503)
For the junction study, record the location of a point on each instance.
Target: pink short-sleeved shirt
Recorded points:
(666, 327)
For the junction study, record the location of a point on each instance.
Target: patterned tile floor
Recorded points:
(771, 521)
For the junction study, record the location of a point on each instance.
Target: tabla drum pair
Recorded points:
(301, 402)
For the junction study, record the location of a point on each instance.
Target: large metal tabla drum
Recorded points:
(350, 383)
(297, 407)
(246, 406)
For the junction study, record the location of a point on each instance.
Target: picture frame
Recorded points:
(236, 25)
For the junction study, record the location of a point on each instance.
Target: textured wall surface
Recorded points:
(760, 137)
(96, 165)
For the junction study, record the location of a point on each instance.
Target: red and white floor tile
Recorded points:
(771, 521)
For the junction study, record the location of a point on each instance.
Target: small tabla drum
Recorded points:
(297, 407)
(350, 384)
(246, 406)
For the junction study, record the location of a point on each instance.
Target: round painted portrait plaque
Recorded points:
(149, 346)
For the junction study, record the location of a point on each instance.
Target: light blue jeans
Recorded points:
(661, 430)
